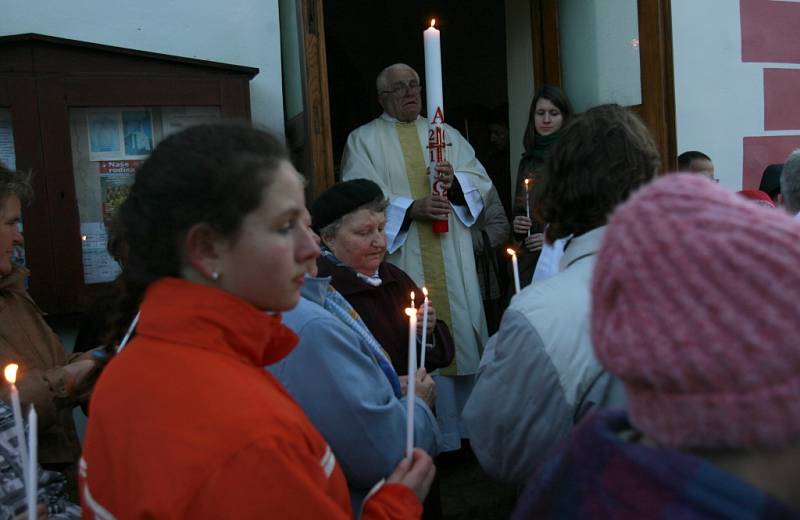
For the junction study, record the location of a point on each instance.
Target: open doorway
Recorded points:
(491, 54)
(361, 38)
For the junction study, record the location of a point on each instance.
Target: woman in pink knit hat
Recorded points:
(709, 359)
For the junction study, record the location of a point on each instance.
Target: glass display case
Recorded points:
(83, 117)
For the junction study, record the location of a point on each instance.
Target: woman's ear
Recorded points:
(204, 247)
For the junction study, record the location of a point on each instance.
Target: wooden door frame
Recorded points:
(655, 47)
(318, 148)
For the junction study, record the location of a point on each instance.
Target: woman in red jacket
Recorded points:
(185, 423)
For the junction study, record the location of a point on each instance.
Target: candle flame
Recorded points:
(425, 292)
(526, 182)
(511, 252)
(11, 372)
(410, 312)
(433, 22)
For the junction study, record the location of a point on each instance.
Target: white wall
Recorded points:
(600, 64)
(718, 99)
(290, 52)
(519, 64)
(241, 32)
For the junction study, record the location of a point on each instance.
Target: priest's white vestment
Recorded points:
(373, 152)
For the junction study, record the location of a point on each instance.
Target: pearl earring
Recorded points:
(215, 275)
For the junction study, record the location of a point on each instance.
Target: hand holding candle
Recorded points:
(515, 268)
(412, 370)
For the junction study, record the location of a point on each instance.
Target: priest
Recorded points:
(392, 151)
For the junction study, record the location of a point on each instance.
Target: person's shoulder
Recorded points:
(304, 311)
(344, 280)
(367, 127)
(391, 273)
(551, 294)
(388, 267)
(452, 131)
(312, 321)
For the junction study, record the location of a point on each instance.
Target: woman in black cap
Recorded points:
(349, 218)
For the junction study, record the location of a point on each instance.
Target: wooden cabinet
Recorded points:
(45, 83)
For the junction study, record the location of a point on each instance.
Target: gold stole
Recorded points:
(430, 243)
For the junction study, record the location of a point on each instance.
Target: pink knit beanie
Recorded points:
(696, 308)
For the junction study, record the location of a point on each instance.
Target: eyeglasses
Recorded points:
(401, 89)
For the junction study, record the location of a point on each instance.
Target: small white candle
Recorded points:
(527, 203)
(412, 372)
(32, 486)
(424, 346)
(515, 268)
(527, 199)
(129, 332)
(11, 376)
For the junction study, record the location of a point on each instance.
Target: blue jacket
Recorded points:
(336, 378)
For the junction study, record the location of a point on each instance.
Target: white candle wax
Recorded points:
(433, 72)
(19, 429)
(129, 332)
(32, 485)
(527, 203)
(412, 372)
(424, 346)
(515, 268)
(435, 112)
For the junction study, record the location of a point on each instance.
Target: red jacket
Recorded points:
(185, 423)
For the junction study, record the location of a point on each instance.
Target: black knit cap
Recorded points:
(341, 199)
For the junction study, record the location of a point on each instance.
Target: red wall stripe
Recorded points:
(760, 152)
(782, 98)
(770, 31)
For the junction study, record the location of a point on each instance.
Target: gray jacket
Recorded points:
(539, 373)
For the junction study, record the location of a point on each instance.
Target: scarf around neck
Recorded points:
(374, 280)
(542, 145)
